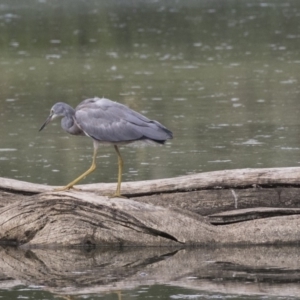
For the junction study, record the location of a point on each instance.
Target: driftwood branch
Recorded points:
(166, 212)
(241, 178)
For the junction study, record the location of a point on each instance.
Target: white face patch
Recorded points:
(54, 116)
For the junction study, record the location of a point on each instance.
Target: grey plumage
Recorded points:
(110, 122)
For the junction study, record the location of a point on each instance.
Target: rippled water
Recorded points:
(223, 75)
(162, 292)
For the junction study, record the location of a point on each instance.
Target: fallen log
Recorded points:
(165, 212)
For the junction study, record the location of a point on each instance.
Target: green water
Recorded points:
(223, 75)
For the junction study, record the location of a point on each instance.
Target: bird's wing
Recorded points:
(99, 120)
(105, 120)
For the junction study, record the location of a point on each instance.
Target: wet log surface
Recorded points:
(165, 212)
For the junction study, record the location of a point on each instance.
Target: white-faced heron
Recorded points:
(107, 122)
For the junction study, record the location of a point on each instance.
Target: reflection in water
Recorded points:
(260, 271)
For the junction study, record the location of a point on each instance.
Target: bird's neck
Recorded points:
(68, 123)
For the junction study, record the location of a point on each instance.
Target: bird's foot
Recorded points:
(117, 195)
(66, 188)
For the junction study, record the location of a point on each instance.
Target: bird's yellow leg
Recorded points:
(120, 168)
(87, 172)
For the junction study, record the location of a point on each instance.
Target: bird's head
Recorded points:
(57, 110)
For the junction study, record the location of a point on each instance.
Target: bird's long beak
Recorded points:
(49, 119)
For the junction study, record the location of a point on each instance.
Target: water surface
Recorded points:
(223, 75)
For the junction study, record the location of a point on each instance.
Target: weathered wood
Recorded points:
(78, 218)
(211, 201)
(160, 212)
(240, 178)
(242, 215)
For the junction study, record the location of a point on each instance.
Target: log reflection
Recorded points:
(255, 270)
